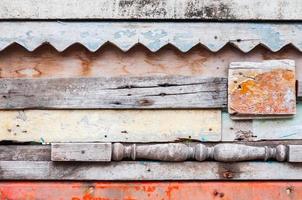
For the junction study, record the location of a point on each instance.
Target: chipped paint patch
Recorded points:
(262, 89)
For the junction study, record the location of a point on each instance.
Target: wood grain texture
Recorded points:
(110, 125)
(262, 129)
(131, 170)
(152, 190)
(25, 152)
(109, 61)
(165, 9)
(124, 92)
(100, 152)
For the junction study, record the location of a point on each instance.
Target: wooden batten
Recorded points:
(110, 125)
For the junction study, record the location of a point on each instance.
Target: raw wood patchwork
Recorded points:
(265, 89)
(126, 93)
(110, 125)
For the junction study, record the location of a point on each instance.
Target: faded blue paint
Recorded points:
(154, 36)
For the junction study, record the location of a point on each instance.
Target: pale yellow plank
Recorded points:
(110, 125)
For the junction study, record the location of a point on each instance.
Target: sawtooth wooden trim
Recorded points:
(132, 170)
(164, 9)
(116, 93)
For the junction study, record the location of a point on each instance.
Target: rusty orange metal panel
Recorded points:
(151, 190)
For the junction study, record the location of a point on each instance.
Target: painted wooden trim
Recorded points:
(132, 170)
(166, 9)
(47, 126)
(176, 190)
(96, 152)
(117, 93)
(93, 35)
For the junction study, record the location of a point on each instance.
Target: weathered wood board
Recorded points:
(295, 153)
(164, 9)
(262, 89)
(119, 92)
(131, 170)
(25, 152)
(152, 190)
(262, 129)
(100, 152)
(110, 125)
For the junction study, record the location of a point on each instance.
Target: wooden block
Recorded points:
(294, 153)
(265, 89)
(110, 125)
(100, 152)
(142, 170)
(119, 92)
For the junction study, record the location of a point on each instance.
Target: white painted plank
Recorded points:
(110, 125)
(43, 170)
(163, 9)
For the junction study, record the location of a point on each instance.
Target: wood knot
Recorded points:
(145, 102)
(227, 174)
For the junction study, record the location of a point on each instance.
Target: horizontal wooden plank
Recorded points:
(43, 152)
(110, 125)
(81, 152)
(262, 129)
(118, 93)
(132, 170)
(166, 9)
(25, 153)
(208, 190)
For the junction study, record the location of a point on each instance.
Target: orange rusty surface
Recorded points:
(262, 93)
(109, 61)
(151, 190)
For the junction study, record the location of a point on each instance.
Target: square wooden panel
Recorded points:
(262, 89)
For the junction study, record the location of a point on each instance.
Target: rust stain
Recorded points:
(266, 93)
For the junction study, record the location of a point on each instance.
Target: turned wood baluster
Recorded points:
(199, 152)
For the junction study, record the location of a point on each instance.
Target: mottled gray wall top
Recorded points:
(152, 9)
